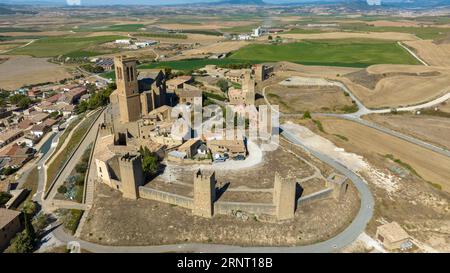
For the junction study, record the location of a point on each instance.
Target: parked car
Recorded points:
(239, 157)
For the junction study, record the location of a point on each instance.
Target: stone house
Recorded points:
(392, 236)
(11, 223)
(227, 148)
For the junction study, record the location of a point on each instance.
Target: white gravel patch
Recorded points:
(354, 162)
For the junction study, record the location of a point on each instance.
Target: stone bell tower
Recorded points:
(127, 88)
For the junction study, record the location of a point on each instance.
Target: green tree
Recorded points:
(62, 189)
(54, 115)
(81, 107)
(307, 115)
(223, 85)
(8, 171)
(14, 99)
(4, 198)
(22, 243)
(149, 161)
(24, 103)
(81, 167)
(168, 72)
(79, 180)
(29, 208)
(93, 68)
(40, 222)
(29, 229)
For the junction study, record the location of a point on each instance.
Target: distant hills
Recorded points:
(348, 3)
(240, 2)
(4, 10)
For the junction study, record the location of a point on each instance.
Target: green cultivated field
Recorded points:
(16, 29)
(305, 31)
(162, 35)
(119, 28)
(348, 52)
(240, 29)
(195, 63)
(55, 46)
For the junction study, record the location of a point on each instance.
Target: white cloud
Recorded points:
(73, 2)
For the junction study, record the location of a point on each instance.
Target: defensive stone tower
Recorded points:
(204, 194)
(127, 89)
(248, 86)
(260, 74)
(339, 184)
(284, 197)
(131, 175)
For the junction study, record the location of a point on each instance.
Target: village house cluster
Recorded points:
(23, 131)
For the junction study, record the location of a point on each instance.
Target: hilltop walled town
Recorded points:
(230, 126)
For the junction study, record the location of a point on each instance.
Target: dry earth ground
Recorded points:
(431, 53)
(114, 220)
(298, 99)
(419, 207)
(403, 23)
(23, 70)
(445, 107)
(221, 47)
(378, 86)
(428, 128)
(212, 25)
(287, 69)
(383, 86)
(433, 167)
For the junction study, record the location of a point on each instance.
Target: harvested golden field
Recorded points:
(385, 23)
(394, 36)
(431, 53)
(23, 70)
(431, 129)
(40, 34)
(399, 68)
(386, 86)
(445, 107)
(298, 99)
(431, 166)
(287, 69)
(210, 26)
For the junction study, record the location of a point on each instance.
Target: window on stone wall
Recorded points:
(128, 74)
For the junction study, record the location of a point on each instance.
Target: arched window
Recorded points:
(132, 73)
(128, 74)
